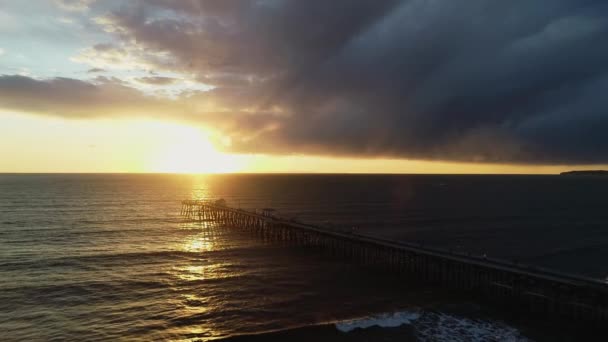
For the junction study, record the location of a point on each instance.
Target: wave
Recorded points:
(385, 320)
(88, 261)
(33, 261)
(415, 325)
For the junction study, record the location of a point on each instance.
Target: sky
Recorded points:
(415, 86)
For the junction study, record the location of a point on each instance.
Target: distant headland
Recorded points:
(585, 173)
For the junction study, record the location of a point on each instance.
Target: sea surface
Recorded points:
(107, 257)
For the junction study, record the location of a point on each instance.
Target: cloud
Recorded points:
(1, 52)
(74, 5)
(105, 97)
(157, 80)
(95, 70)
(73, 98)
(121, 57)
(485, 81)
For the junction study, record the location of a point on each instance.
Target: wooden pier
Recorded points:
(529, 288)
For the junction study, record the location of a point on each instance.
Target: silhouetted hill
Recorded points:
(585, 173)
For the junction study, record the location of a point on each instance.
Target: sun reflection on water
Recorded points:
(196, 275)
(202, 299)
(199, 244)
(200, 188)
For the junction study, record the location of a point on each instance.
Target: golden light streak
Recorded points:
(31, 143)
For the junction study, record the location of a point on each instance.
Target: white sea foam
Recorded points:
(386, 320)
(439, 327)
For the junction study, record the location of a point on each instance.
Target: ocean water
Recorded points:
(107, 257)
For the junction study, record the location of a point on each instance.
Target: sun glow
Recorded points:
(189, 150)
(31, 143)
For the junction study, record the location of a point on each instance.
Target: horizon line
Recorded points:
(278, 173)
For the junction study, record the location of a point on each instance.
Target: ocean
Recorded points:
(104, 257)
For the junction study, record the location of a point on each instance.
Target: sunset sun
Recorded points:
(189, 150)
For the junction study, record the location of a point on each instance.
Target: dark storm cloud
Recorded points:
(474, 81)
(503, 81)
(249, 37)
(478, 80)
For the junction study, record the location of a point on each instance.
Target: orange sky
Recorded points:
(30, 143)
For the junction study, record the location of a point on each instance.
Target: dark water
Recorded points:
(105, 257)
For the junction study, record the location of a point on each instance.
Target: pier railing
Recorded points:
(532, 288)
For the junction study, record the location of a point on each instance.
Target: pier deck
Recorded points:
(530, 288)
